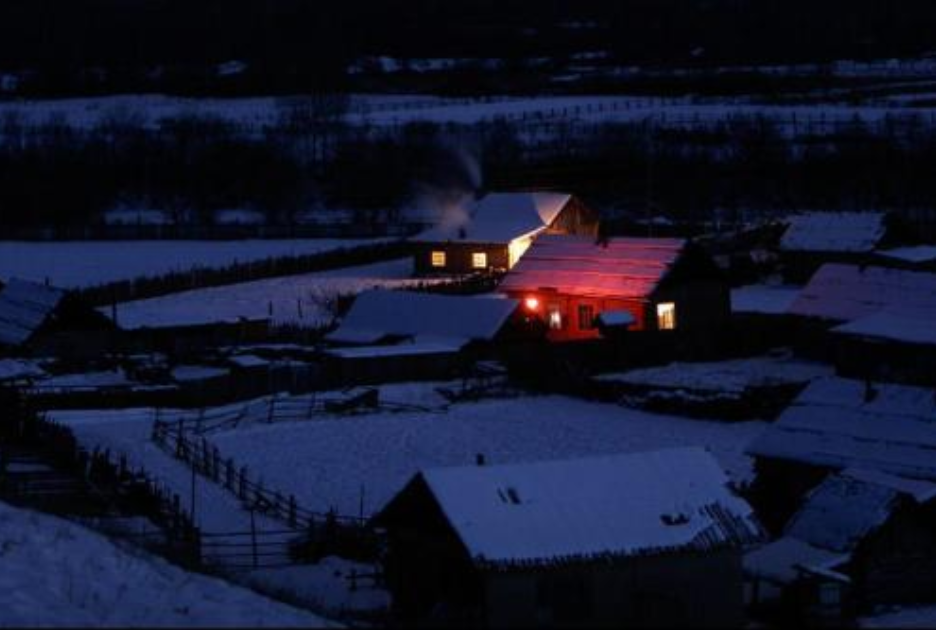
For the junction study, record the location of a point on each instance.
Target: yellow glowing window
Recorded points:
(666, 316)
(438, 259)
(479, 260)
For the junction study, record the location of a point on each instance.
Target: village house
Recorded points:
(835, 424)
(872, 322)
(860, 539)
(661, 284)
(42, 320)
(619, 540)
(815, 238)
(493, 233)
(400, 335)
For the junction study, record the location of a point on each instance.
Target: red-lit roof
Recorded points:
(624, 267)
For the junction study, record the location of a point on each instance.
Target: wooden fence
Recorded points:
(325, 532)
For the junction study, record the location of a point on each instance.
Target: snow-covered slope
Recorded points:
(57, 573)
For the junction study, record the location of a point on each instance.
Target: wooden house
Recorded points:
(613, 541)
(665, 285)
(861, 538)
(403, 335)
(813, 239)
(835, 424)
(493, 233)
(43, 320)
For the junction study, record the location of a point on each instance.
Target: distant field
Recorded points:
(75, 264)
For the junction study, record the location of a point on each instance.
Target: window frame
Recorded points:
(666, 316)
(438, 258)
(479, 257)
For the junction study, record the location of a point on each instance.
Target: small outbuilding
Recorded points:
(835, 424)
(575, 284)
(493, 233)
(612, 541)
(861, 538)
(39, 319)
(403, 335)
(816, 238)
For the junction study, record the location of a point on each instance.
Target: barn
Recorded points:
(612, 541)
(491, 234)
(663, 284)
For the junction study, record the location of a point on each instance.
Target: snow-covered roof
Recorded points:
(783, 560)
(621, 267)
(16, 369)
(418, 346)
(499, 218)
(584, 509)
(847, 292)
(763, 298)
(184, 373)
(844, 509)
(834, 232)
(378, 314)
(830, 424)
(911, 254)
(24, 306)
(908, 323)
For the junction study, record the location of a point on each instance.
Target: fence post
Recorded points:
(292, 511)
(242, 484)
(216, 464)
(253, 537)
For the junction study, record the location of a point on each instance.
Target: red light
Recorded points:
(532, 303)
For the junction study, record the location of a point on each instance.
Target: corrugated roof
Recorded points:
(830, 424)
(499, 218)
(846, 292)
(584, 509)
(379, 313)
(623, 267)
(834, 232)
(24, 306)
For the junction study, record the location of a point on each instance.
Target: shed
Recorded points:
(494, 232)
(862, 537)
(838, 423)
(815, 238)
(616, 540)
(665, 284)
(881, 321)
(401, 335)
(43, 319)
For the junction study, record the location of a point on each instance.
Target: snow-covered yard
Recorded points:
(328, 462)
(299, 300)
(73, 264)
(57, 573)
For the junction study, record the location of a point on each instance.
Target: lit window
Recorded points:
(666, 316)
(438, 259)
(555, 318)
(586, 316)
(479, 260)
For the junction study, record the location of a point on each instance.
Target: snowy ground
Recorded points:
(907, 617)
(57, 573)
(73, 264)
(328, 462)
(733, 376)
(298, 300)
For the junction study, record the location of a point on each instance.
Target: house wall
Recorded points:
(575, 218)
(458, 257)
(897, 565)
(654, 591)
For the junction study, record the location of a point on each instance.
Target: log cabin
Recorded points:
(493, 233)
(611, 541)
(664, 284)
